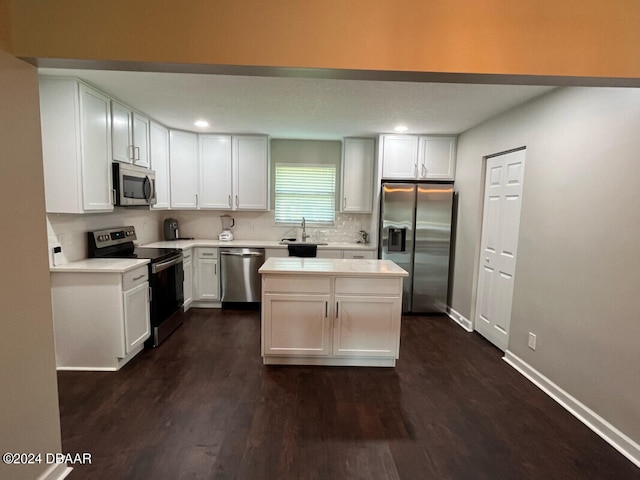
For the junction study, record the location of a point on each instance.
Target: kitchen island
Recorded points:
(341, 312)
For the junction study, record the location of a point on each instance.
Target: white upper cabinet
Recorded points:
(159, 161)
(76, 146)
(437, 158)
(399, 156)
(357, 175)
(215, 172)
(129, 135)
(183, 154)
(412, 157)
(250, 167)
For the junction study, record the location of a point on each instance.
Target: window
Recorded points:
(305, 190)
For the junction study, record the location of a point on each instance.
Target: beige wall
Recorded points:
(29, 417)
(545, 37)
(578, 268)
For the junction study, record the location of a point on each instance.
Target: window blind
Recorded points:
(305, 190)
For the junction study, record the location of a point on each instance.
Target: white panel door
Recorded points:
(250, 172)
(136, 316)
(215, 172)
(140, 140)
(399, 156)
(498, 248)
(159, 160)
(296, 325)
(357, 175)
(183, 159)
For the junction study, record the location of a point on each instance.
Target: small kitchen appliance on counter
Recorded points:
(171, 230)
(166, 276)
(228, 222)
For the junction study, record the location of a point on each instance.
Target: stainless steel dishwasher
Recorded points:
(240, 279)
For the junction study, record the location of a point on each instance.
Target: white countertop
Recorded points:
(100, 265)
(201, 242)
(331, 266)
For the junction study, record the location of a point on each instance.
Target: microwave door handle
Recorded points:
(147, 189)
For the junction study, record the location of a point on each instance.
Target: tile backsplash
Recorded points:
(70, 231)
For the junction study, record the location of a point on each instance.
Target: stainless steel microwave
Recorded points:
(133, 185)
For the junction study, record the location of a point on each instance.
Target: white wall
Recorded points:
(577, 284)
(29, 415)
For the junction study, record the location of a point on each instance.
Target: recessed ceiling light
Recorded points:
(201, 123)
(401, 128)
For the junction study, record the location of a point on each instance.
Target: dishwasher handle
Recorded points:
(245, 254)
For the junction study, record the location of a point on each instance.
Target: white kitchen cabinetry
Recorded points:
(159, 162)
(187, 286)
(357, 175)
(355, 254)
(437, 158)
(329, 253)
(207, 275)
(129, 135)
(215, 172)
(250, 167)
(329, 320)
(183, 155)
(76, 146)
(101, 319)
(411, 157)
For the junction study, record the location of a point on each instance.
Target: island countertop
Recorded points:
(331, 266)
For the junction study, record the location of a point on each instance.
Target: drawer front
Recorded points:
(207, 252)
(134, 278)
(368, 286)
(296, 284)
(367, 254)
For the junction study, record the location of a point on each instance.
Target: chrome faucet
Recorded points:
(304, 235)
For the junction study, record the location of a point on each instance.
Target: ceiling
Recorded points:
(305, 108)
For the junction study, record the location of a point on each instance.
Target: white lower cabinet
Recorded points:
(207, 275)
(187, 286)
(100, 319)
(328, 320)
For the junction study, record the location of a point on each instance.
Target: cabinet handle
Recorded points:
(424, 170)
(237, 202)
(149, 294)
(229, 202)
(337, 314)
(196, 199)
(205, 254)
(344, 202)
(138, 278)
(415, 169)
(136, 155)
(131, 155)
(326, 309)
(113, 196)
(215, 269)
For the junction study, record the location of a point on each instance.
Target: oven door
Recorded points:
(167, 297)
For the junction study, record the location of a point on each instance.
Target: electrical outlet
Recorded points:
(532, 341)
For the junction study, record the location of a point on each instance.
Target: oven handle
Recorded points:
(158, 267)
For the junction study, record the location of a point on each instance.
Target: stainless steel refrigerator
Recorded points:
(415, 233)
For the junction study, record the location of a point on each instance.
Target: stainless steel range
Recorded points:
(166, 276)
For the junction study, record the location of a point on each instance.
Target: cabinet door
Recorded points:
(329, 253)
(140, 140)
(296, 325)
(159, 162)
(121, 132)
(136, 316)
(250, 172)
(188, 281)
(366, 325)
(399, 156)
(208, 281)
(357, 175)
(183, 156)
(437, 158)
(215, 172)
(96, 150)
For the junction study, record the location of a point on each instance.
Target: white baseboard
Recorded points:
(460, 319)
(56, 471)
(618, 440)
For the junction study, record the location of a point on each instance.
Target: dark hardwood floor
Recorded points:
(202, 406)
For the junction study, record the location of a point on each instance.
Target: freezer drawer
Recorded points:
(240, 280)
